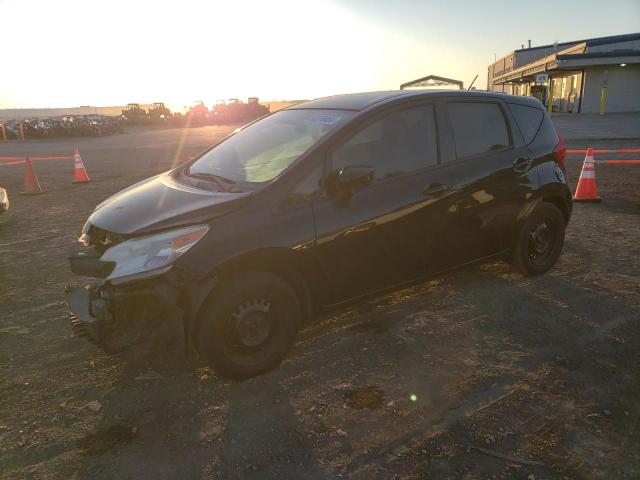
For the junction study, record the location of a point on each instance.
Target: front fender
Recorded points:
(291, 265)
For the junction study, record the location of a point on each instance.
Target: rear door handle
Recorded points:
(522, 164)
(435, 189)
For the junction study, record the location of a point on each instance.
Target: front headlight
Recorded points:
(153, 253)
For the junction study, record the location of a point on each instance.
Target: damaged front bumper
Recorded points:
(118, 317)
(84, 324)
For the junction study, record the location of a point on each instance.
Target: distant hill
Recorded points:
(10, 113)
(55, 112)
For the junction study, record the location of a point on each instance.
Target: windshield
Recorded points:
(260, 152)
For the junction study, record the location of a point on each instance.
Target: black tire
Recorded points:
(539, 241)
(248, 325)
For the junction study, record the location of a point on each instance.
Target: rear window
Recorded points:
(528, 120)
(478, 128)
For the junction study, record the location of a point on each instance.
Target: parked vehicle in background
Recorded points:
(316, 205)
(236, 111)
(198, 115)
(158, 113)
(254, 109)
(63, 126)
(132, 114)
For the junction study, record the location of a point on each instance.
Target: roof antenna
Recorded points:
(474, 81)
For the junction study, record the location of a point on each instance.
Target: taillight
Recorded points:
(560, 152)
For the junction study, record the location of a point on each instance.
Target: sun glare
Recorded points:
(190, 51)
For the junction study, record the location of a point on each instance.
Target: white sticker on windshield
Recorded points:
(325, 119)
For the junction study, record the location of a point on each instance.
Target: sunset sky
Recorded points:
(78, 52)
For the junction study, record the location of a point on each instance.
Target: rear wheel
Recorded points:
(248, 325)
(540, 240)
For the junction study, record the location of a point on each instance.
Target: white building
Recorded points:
(586, 76)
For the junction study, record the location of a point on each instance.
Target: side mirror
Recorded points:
(355, 177)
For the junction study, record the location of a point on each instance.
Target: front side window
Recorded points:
(399, 143)
(306, 190)
(478, 128)
(261, 151)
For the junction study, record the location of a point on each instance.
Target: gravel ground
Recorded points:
(477, 374)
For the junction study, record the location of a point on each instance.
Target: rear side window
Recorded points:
(528, 120)
(478, 128)
(401, 142)
(547, 135)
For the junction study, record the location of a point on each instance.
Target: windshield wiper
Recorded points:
(212, 175)
(223, 182)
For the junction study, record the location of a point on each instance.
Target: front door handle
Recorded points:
(435, 189)
(522, 164)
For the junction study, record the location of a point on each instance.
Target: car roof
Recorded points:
(364, 100)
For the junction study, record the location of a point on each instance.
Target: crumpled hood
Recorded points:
(161, 202)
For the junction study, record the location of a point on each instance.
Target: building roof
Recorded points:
(574, 56)
(629, 52)
(591, 42)
(432, 81)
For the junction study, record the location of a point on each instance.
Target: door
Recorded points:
(379, 234)
(495, 174)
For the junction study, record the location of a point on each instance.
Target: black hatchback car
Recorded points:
(316, 205)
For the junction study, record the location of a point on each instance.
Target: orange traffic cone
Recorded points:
(587, 191)
(79, 172)
(31, 183)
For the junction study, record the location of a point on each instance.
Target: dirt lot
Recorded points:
(478, 374)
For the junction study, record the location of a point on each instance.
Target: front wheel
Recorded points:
(248, 325)
(540, 240)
